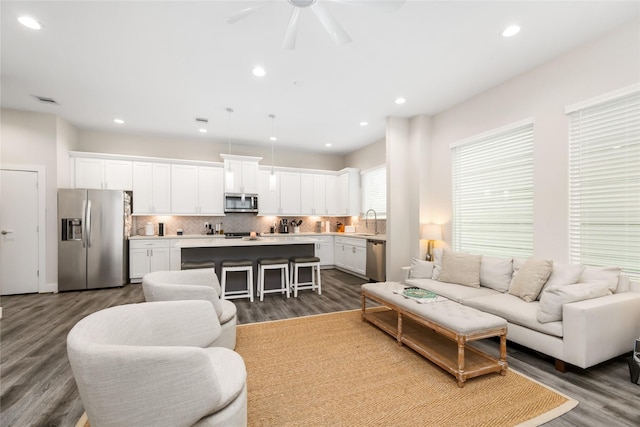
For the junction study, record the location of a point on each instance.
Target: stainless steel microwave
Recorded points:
(236, 202)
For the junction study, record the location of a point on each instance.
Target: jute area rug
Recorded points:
(336, 370)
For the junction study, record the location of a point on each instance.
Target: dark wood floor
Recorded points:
(37, 387)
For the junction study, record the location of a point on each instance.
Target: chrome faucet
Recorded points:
(375, 220)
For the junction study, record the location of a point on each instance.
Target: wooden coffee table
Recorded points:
(439, 331)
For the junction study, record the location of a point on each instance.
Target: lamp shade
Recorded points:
(431, 232)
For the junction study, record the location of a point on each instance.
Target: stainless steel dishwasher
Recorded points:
(376, 260)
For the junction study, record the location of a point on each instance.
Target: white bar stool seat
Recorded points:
(237, 265)
(281, 264)
(302, 262)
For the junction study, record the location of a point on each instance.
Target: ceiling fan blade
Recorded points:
(335, 30)
(243, 13)
(289, 41)
(381, 5)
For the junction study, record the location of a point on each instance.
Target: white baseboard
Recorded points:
(49, 288)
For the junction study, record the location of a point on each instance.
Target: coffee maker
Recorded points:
(284, 226)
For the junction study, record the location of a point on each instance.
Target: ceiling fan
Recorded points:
(330, 24)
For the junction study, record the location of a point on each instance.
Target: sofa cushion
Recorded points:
(496, 273)
(420, 269)
(563, 274)
(553, 298)
(451, 291)
(597, 274)
(460, 268)
(516, 311)
(530, 279)
(437, 263)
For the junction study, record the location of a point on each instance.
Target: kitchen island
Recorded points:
(219, 249)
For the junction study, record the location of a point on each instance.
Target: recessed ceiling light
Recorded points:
(364, 123)
(118, 121)
(259, 72)
(328, 144)
(202, 130)
(510, 31)
(400, 101)
(273, 138)
(29, 22)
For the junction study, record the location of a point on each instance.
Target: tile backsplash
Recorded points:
(242, 222)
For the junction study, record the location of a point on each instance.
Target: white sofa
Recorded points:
(196, 284)
(581, 315)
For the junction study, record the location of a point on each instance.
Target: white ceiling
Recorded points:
(159, 65)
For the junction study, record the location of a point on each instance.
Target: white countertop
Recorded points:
(260, 241)
(274, 237)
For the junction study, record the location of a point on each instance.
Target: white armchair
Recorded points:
(197, 284)
(151, 364)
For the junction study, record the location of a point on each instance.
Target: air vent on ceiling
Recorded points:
(45, 99)
(202, 120)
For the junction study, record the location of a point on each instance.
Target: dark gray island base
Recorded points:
(237, 280)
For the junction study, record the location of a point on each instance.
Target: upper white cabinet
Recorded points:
(196, 190)
(289, 193)
(245, 173)
(348, 192)
(151, 188)
(331, 202)
(102, 174)
(268, 201)
(313, 194)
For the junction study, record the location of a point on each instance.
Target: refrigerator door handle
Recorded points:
(87, 222)
(84, 224)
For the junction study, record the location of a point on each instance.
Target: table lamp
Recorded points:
(431, 232)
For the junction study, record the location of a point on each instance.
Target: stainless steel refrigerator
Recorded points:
(93, 229)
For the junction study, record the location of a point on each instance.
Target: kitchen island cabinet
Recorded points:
(146, 256)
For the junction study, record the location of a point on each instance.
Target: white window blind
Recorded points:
(374, 190)
(604, 184)
(493, 193)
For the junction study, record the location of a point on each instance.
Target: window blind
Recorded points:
(604, 184)
(492, 186)
(374, 190)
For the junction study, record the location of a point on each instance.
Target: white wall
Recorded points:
(199, 149)
(30, 139)
(602, 66)
(367, 157)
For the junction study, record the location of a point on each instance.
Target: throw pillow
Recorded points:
(553, 298)
(495, 273)
(420, 269)
(608, 274)
(563, 274)
(437, 263)
(460, 268)
(530, 279)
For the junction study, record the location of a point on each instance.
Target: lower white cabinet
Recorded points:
(351, 254)
(324, 250)
(147, 255)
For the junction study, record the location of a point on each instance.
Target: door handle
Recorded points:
(6, 231)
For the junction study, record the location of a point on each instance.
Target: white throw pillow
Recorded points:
(496, 273)
(437, 263)
(460, 268)
(420, 269)
(530, 279)
(597, 274)
(563, 274)
(553, 298)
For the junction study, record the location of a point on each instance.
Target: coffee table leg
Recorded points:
(503, 354)
(461, 374)
(399, 337)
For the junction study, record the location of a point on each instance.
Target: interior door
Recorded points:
(18, 232)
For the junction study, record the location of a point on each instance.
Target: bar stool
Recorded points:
(281, 264)
(194, 265)
(237, 265)
(302, 262)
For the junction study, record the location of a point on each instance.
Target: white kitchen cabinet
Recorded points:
(313, 193)
(324, 250)
(268, 201)
(289, 193)
(351, 254)
(245, 173)
(348, 192)
(151, 188)
(146, 256)
(331, 203)
(196, 190)
(102, 174)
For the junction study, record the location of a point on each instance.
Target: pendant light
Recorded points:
(229, 171)
(272, 177)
